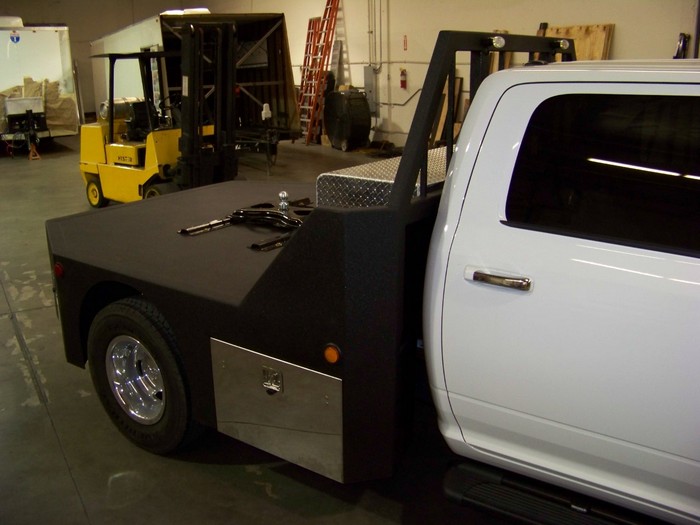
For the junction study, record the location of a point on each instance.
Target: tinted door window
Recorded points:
(621, 168)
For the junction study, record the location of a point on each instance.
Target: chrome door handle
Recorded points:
(517, 283)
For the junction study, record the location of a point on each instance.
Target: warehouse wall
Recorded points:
(387, 34)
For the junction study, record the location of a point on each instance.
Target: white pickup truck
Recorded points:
(551, 252)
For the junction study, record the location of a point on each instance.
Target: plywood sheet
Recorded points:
(441, 117)
(592, 41)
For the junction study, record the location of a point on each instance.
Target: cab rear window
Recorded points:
(620, 168)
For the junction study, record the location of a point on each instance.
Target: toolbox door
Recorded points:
(282, 408)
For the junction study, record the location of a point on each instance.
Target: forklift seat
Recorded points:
(143, 119)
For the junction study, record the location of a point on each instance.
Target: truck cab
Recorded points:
(563, 279)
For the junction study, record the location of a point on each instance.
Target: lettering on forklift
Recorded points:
(125, 159)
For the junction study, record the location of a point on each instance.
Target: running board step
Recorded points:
(531, 501)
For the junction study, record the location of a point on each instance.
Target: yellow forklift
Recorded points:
(174, 137)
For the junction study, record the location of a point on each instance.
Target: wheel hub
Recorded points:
(93, 194)
(135, 379)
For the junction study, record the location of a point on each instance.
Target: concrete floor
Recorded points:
(62, 461)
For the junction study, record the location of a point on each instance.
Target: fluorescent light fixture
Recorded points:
(634, 167)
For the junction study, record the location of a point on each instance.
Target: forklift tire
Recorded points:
(137, 373)
(155, 190)
(94, 194)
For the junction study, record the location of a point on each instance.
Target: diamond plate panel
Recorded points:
(370, 184)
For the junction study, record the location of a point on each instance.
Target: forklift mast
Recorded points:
(208, 99)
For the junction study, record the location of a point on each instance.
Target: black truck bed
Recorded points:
(216, 266)
(338, 280)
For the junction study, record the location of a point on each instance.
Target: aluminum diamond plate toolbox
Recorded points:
(370, 184)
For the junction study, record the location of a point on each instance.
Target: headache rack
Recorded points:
(396, 182)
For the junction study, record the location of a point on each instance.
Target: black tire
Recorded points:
(139, 341)
(156, 190)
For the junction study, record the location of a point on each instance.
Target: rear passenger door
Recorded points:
(570, 328)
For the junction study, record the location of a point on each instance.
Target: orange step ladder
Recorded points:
(317, 52)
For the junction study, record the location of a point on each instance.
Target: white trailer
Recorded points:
(37, 75)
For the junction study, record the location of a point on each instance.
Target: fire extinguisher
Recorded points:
(403, 78)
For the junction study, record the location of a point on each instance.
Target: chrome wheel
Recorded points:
(137, 371)
(135, 379)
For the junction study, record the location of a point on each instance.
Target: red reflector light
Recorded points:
(58, 270)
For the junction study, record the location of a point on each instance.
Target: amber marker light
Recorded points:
(331, 354)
